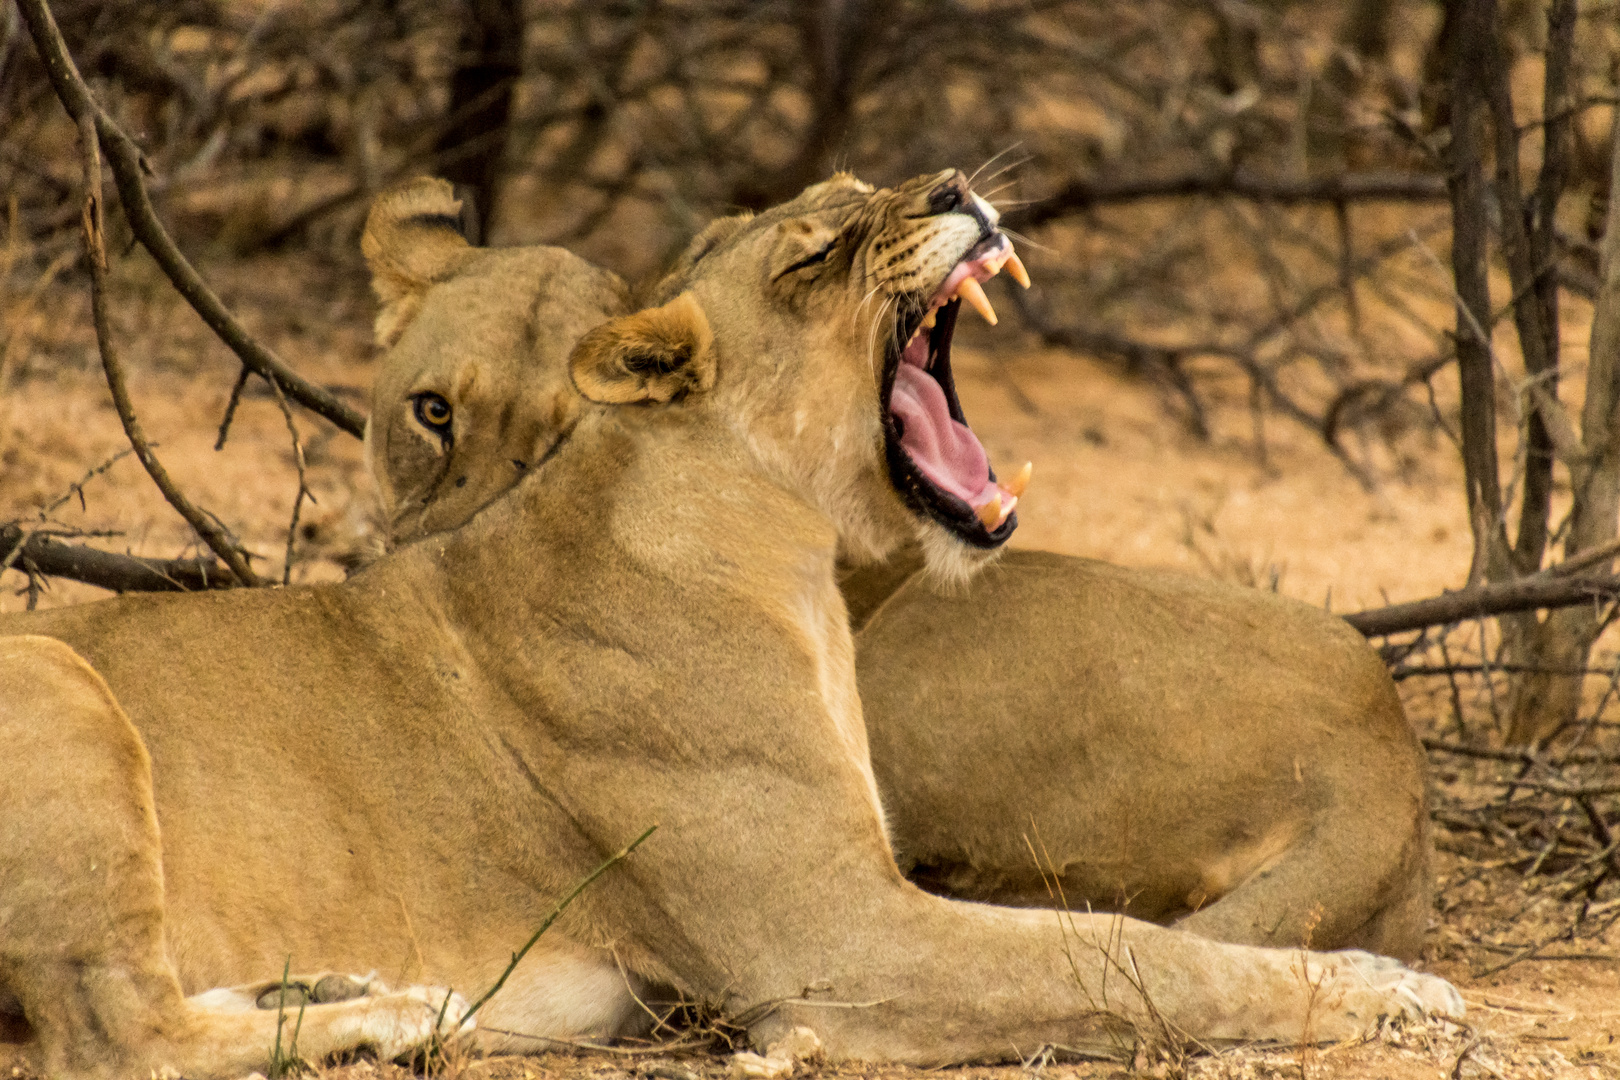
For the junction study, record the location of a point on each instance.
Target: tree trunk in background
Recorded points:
(836, 36)
(1545, 702)
(489, 62)
(1472, 25)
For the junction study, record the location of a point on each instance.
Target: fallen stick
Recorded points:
(49, 557)
(1546, 590)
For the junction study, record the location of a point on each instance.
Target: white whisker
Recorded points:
(991, 160)
(1026, 159)
(865, 298)
(877, 331)
(1022, 239)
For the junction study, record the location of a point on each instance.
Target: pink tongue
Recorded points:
(947, 452)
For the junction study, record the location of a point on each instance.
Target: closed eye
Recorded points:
(810, 260)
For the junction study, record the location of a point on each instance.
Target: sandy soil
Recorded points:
(1115, 478)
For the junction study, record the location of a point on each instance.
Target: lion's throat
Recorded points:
(945, 450)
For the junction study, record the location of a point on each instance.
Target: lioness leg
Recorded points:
(1186, 751)
(1360, 883)
(81, 929)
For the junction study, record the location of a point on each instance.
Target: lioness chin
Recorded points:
(1185, 751)
(405, 770)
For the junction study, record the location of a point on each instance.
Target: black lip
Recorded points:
(920, 493)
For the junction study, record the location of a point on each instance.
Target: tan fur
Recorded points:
(665, 355)
(1189, 752)
(493, 341)
(411, 242)
(404, 771)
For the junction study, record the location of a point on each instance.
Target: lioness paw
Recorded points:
(1401, 993)
(1423, 995)
(314, 990)
(341, 1013)
(449, 1009)
(393, 1023)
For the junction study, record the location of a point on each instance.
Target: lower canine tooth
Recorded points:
(971, 291)
(990, 515)
(1015, 487)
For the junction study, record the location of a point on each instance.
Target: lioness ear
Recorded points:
(412, 240)
(656, 355)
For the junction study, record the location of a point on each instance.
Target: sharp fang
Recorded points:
(990, 515)
(1019, 274)
(929, 319)
(1015, 487)
(971, 291)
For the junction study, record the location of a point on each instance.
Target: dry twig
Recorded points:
(128, 165)
(96, 254)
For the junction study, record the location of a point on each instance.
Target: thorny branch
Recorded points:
(127, 167)
(96, 254)
(1476, 601)
(38, 553)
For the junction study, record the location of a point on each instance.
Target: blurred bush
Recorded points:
(1234, 199)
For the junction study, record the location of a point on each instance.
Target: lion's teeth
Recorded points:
(990, 515)
(1015, 487)
(928, 319)
(1018, 272)
(971, 291)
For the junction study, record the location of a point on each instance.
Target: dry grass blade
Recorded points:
(562, 905)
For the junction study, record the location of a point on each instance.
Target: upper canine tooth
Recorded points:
(928, 319)
(1018, 272)
(990, 515)
(1015, 487)
(971, 291)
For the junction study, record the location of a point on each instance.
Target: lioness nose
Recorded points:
(949, 195)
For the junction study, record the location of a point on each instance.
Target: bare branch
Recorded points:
(1480, 601)
(1080, 195)
(96, 254)
(127, 165)
(45, 556)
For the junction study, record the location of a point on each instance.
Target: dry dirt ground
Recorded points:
(1114, 479)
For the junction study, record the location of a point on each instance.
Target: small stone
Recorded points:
(750, 1066)
(800, 1044)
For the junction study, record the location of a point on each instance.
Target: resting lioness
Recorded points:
(1186, 750)
(405, 770)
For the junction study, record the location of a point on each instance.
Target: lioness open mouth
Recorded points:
(935, 461)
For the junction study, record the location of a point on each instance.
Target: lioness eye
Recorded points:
(433, 413)
(811, 260)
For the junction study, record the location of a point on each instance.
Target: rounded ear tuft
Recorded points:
(652, 357)
(412, 239)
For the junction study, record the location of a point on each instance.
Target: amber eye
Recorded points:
(433, 413)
